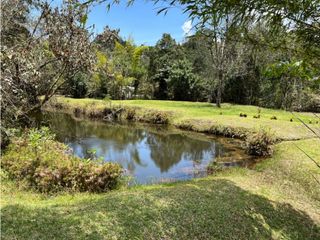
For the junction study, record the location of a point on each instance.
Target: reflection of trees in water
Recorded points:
(166, 149)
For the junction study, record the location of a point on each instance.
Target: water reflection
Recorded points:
(146, 152)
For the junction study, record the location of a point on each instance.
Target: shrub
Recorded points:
(36, 159)
(260, 143)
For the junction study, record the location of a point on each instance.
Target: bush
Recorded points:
(44, 165)
(260, 143)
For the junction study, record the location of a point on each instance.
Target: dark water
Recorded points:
(148, 153)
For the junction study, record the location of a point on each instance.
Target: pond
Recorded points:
(148, 153)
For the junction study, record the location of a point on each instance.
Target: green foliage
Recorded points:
(36, 138)
(284, 81)
(119, 72)
(183, 84)
(77, 85)
(43, 164)
(162, 56)
(248, 68)
(101, 77)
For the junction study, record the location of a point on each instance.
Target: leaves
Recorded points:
(84, 19)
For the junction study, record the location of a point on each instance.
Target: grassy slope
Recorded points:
(279, 199)
(205, 115)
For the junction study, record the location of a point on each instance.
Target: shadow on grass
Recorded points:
(205, 209)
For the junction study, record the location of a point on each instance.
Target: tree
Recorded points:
(225, 54)
(286, 82)
(118, 73)
(298, 16)
(101, 77)
(162, 55)
(39, 63)
(183, 84)
(106, 40)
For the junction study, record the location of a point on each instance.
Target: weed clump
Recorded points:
(219, 130)
(77, 112)
(155, 117)
(130, 114)
(260, 143)
(214, 167)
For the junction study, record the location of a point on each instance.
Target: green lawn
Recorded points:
(279, 199)
(205, 115)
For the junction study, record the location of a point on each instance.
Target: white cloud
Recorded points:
(186, 27)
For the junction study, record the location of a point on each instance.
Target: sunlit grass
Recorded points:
(279, 199)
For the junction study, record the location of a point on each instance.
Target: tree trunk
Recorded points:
(218, 100)
(219, 91)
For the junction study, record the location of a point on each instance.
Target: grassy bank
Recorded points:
(203, 117)
(279, 199)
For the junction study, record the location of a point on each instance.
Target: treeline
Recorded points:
(266, 57)
(257, 71)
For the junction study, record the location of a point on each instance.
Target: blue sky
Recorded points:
(140, 21)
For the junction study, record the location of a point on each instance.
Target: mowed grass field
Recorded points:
(278, 199)
(204, 115)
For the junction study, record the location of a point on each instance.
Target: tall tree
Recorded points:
(162, 55)
(38, 62)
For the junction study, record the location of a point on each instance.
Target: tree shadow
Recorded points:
(216, 209)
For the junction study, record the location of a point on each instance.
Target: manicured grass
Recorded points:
(205, 115)
(279, 199)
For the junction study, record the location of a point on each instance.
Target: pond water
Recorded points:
(148, 153)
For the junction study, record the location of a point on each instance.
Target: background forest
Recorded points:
(256, 74)
(269, 58)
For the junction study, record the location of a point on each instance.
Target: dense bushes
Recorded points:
(260, 143)
(43, 164)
